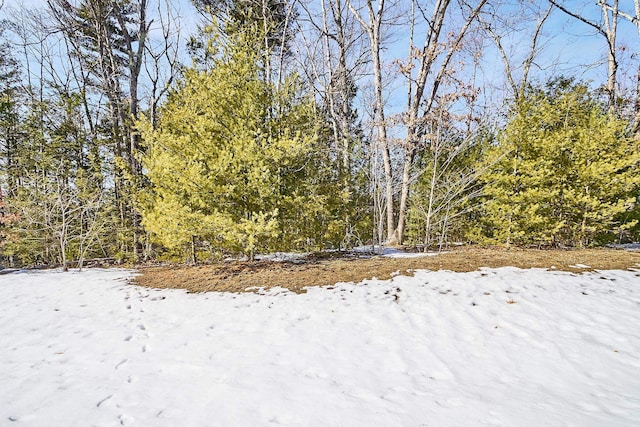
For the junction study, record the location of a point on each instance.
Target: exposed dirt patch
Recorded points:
(238, 276)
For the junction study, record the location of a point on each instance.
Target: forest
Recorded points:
(150, 130)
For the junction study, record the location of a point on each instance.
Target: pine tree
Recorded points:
(271, 16)
(110, 41)
(11, 97)
(56, 213)
(563, 172)
(232, 160)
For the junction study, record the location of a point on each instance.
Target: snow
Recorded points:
(283, 257)
(580, 266)
(402, 254)
(389, 252)
(626, 246)
(499, 347)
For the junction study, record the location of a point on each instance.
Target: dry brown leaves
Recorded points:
(238, 276)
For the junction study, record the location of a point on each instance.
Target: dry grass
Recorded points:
(237, 276)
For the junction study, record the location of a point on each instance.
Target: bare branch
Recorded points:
(578, 17)
(532, 48)
(503, 54)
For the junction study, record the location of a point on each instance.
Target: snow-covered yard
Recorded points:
(503, 347)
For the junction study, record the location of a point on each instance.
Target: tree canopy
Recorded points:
(563, 172)
(235, 161)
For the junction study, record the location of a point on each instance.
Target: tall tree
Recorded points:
(224, 170)
(59, 200)
(372, 23)
(608, 29)
(275, 18)
(110, 38)
(331, 41)
(634, 18)
(11, 97)
(500, 26)
(332, 66)
(424, 85)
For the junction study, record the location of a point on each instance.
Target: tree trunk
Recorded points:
(608, 31)
(373, 28)
(636, 119)
(194, 255)
(419, 110)
(610, 28)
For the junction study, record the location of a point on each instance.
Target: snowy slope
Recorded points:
(504, 347)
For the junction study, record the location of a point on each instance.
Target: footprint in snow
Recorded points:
(104, 400)
(122, 362)
(125, 419)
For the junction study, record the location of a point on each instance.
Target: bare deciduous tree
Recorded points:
(493, 27)
(608, 30)
(57, 217)
(110, 39)
(372, 24)
(162, 63)
(634, 18)
(424, 87)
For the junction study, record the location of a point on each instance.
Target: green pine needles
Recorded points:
(235, 160)
(564, 172)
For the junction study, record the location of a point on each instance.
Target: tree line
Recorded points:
(280, 125)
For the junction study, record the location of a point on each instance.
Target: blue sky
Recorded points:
(574, 43)
(570, 47)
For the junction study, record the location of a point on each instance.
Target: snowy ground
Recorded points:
(503, 347)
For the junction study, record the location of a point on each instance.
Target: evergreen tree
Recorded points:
(234, 161)
(57, 210)
(109, 40)
(11, 135)
(271, 16)
(564, 171)
(11, 97)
